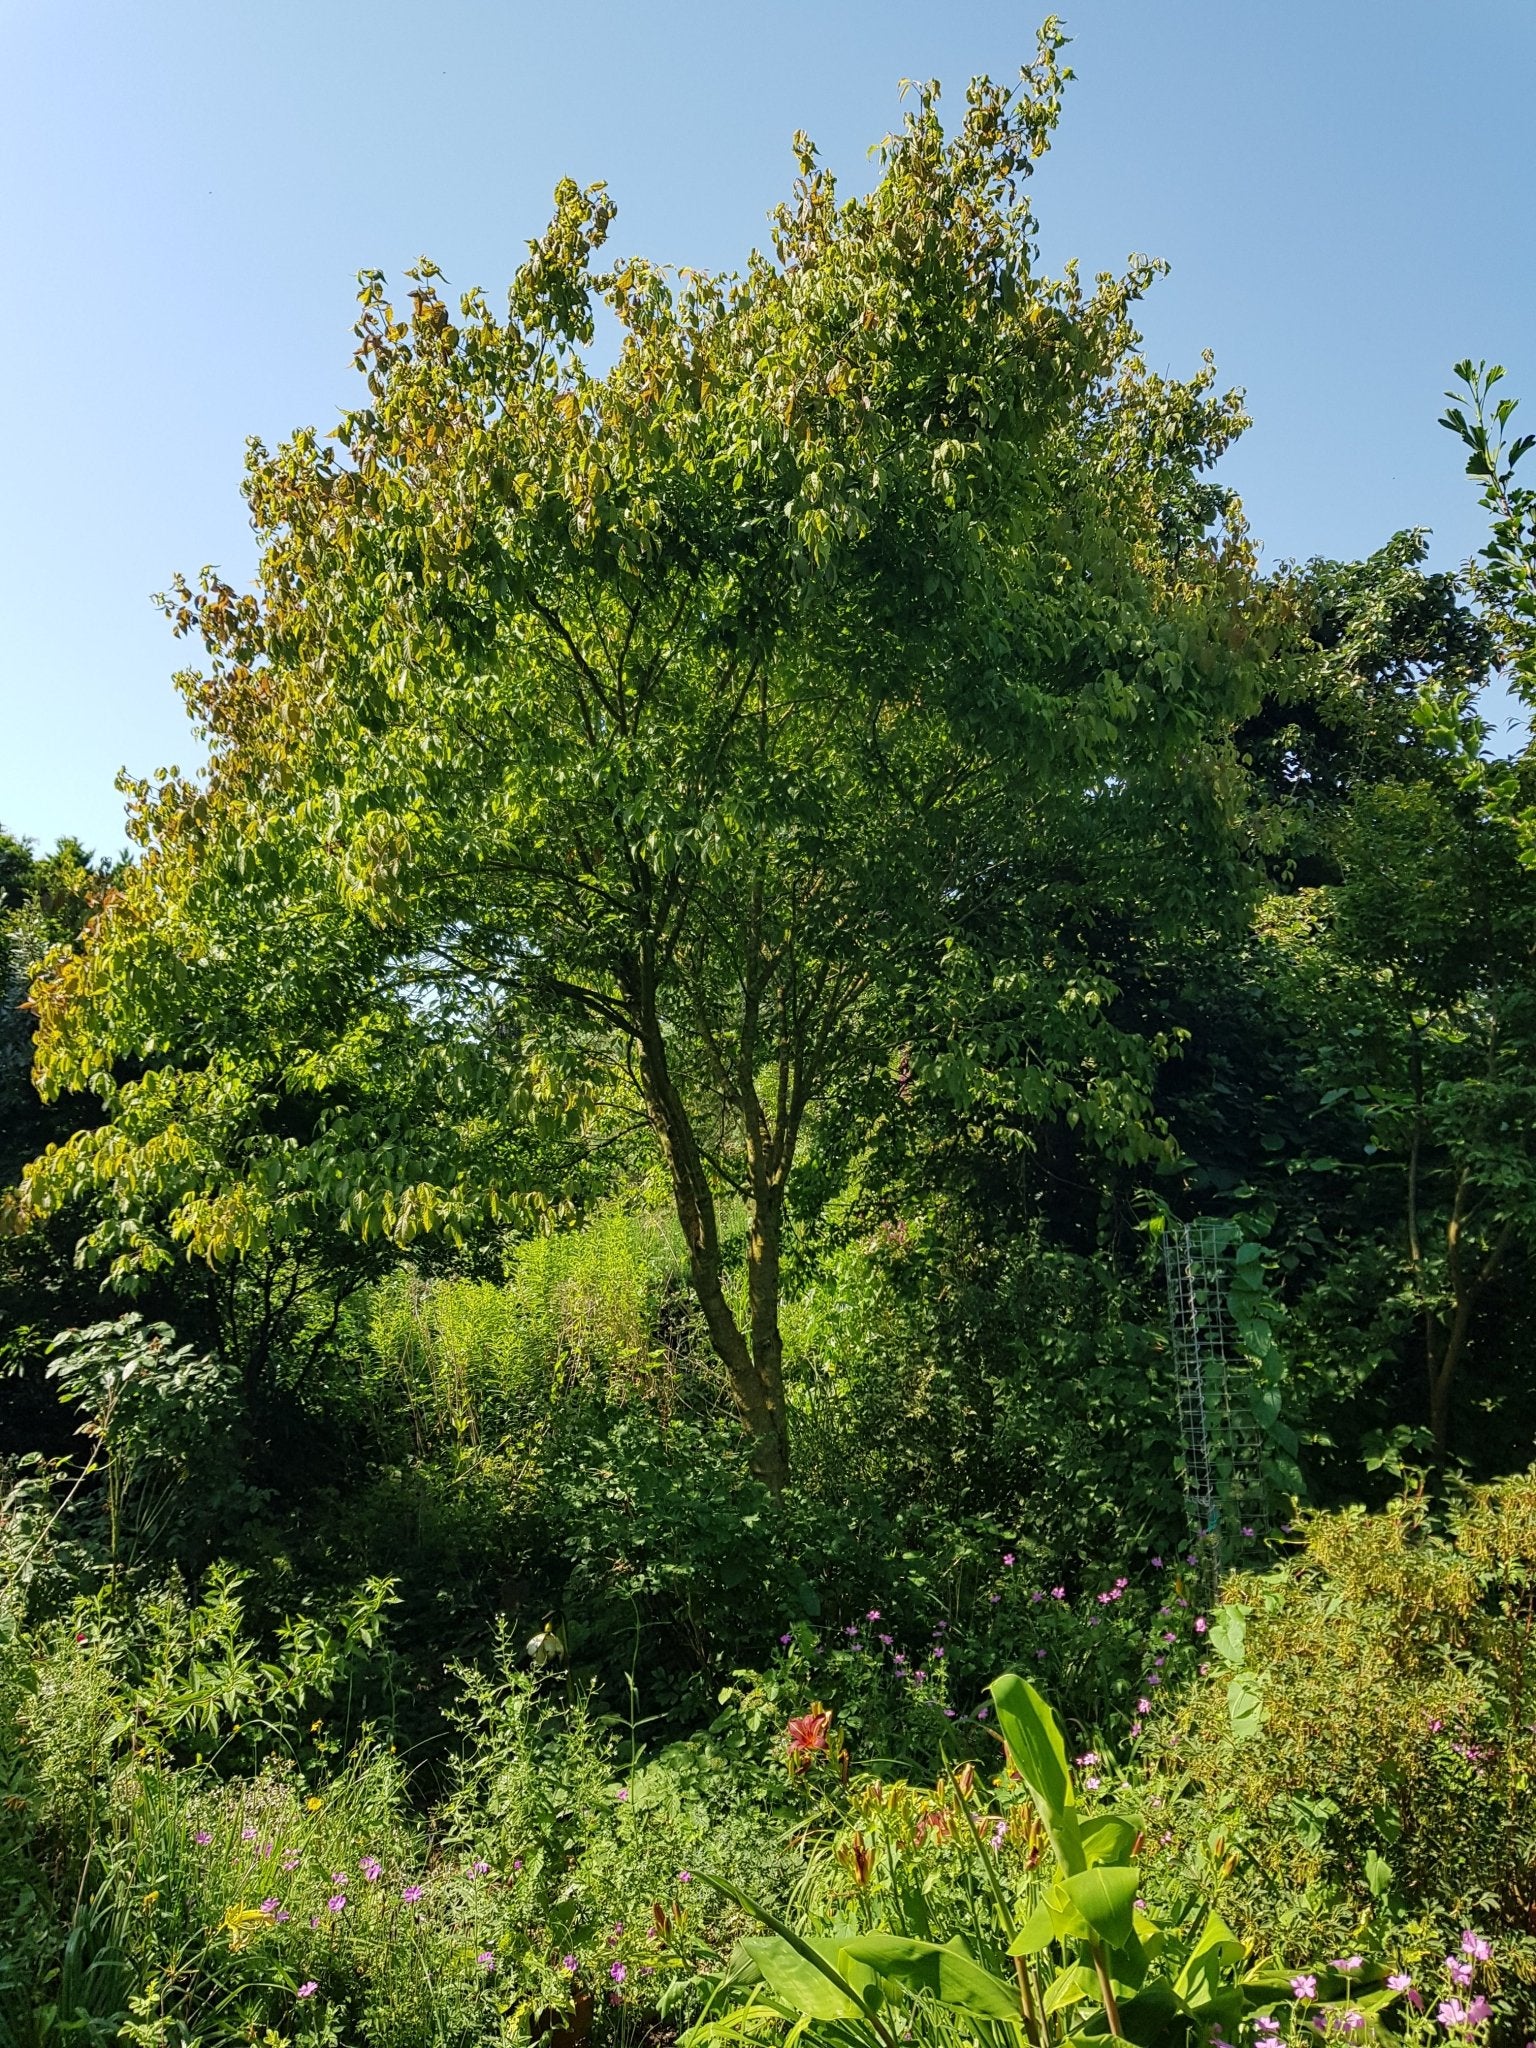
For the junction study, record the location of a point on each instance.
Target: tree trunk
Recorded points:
(764, 1248)
(759, 1399)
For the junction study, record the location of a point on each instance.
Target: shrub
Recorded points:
(1361, 1753)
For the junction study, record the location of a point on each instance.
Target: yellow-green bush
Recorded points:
(1356, 1766)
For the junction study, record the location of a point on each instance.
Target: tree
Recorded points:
(643, 738)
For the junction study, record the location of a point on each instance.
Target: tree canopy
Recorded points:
(665, 735)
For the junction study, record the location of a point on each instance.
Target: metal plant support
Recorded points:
(1223, 1487)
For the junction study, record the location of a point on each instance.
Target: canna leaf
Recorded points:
(1106, 1898)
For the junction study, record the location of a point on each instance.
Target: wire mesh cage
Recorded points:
(1224, 1493)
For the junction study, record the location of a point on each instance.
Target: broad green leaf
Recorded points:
(1228, 1634)
(1037, 1933)
(1245, 1707)
(789, 1975)
(1108, 1838)
(1106, 1897)
(1071, 1987)
(1216, 1950)
(942, 1973)
(1039, 1755)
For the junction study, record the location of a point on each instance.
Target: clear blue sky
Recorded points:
(1344, 188)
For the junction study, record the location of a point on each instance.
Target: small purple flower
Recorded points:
(202, 1838)
(371, 1868)
(1474, 1945)
(1200, 1624)
(568, 1963)
(786, 1638)
(1058, 1592)
(486, 1959)
(1008, 1557)
(685, 1877)
(982, 1713)
(411, 1894)
(1478, 2011)
(1451, 2013)
(622, 1794)
(1348, 1964)
(1399, 1981)
(482, 1868)
(271, 1907)
(1458, 1971)
(307, 1990)
(517, 1864)
(1157, 1565)
(618, 1973)
(1143, 1706)
(1090, 1784)
(919, 1678)
(1304, 1987)
(873, 1614)
(1040, 1656)
(337, 1903)
(887, 1640)
(1266, 2025)
(290, 1863)
(247, 1834)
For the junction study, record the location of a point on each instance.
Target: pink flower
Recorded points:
(486, 1959)
(873, 1614)
(1090, 1784)
(568, 1963)
(202, 1838)
(1304, 1987)
(270, 1906)
(1008, 1557)
(1143, 1706)
(1452, 2013)
(1478, 2011)
(1399, 1981)
(1458, 1972)
(1058, 1592)
(411, 1894)
(1348, 1964)
(1474, 1945)
(480, 1869)
(1200, 1624)
(336, 1904)
(371, 1868)
(618, 1973)
(307, 1990)
(622, 1794)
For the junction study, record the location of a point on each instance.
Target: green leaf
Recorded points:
(1216, 1950)
(1039, 1755)
(1106, 1897)
(1245, 1707)
(1107, 1838)
(1037, 1933)
(942, 1973)
(1228, 1635)
(812, 1990)
(1071, 1987)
